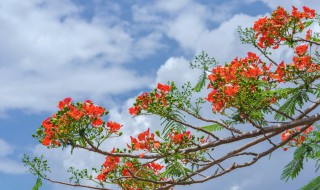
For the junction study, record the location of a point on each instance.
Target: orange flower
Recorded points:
(47, 123)
(156, 144)
(154, 166)
(308, 34)
(141, 155)
(101, 177)
(178, 138)
(135, 110)
(301, 49)
(164, 88)
(64, 102)
(114, 126)
(97, 122)
(46, 141)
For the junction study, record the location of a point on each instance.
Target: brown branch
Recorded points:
(309, 109)
(235, 166)
(275, 128)
(213, 121)
(281, 113)
(309, 41)
(259, 127)
(75, 185)
(264, 53)
(196, 128)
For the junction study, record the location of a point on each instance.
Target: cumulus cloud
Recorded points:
(176, 69)
(8, 165)
(288, 4)
(49, 51)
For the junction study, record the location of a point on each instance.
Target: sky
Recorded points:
(109, 52)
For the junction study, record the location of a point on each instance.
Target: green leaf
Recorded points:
(175, 169)
(38, 184)
(306, 24)
(292, 169)
(299, 97)
(312, 185)
(300, 152)
(213, 127)
(201, 82)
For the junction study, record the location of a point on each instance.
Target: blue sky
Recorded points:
(109, 52)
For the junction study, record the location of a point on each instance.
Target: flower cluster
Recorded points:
(144, 100)
(111, 164)
(113, 126)
(303, 61)
(178, 138)
(154, 166)
(227, 81)
(297, 141)
(49, 133)
(145, 141)
(87, 109)
(132, 168)
(272, 31)
(114, 166)
(61, 123)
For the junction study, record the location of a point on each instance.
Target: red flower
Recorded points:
(47, 123)
(128, 166)
(97, 122)
(101, 177)
(93, 110)
(64, 102)
(114, 126)
(145, 141)
(178, 138)
(46, 141)
(156, 144)
(301, 50)
(154, 166)
(74, 113)
(164, 88)
(143, 136)
(309, 13)
(307, 131)
(231, 90)
(135, 110)
(308, 34)
(141, 155)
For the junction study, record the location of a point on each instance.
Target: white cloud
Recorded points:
(176, 69)
(5, 148)
(273, 4)
(7, 165)
(190, 24)
(236, 187)
(48, 51)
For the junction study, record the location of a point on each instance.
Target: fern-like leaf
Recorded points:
(299, 97)
(213, 127)
(292, 169)
(201, 82)
(312, 185)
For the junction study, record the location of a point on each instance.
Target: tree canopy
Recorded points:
(253, 99)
